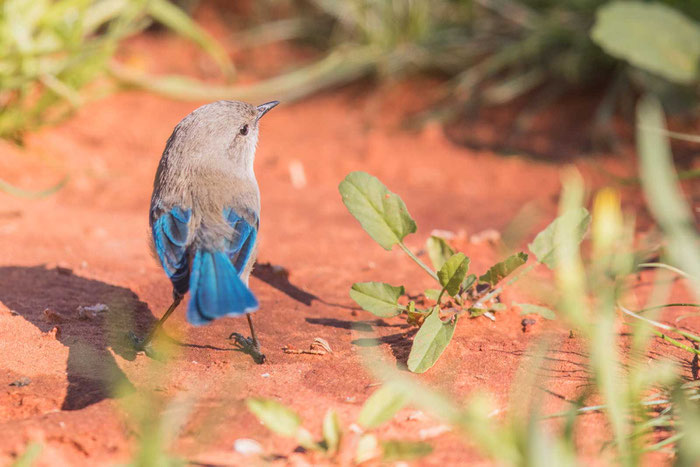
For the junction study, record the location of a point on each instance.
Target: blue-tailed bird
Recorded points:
(205, 213)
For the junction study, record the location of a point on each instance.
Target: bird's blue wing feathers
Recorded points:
(170, 233)
(216, 289)
(215, 284)
(241, 245)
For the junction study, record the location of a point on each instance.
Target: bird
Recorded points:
(205, 214)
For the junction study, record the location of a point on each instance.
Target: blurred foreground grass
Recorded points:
(51, 49)
(491, 51)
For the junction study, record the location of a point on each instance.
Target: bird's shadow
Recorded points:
(92, 372)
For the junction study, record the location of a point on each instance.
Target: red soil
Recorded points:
(96, 228)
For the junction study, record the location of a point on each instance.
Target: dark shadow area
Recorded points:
(399, 343)
(363, 326)
(92, 372)
(278, 277)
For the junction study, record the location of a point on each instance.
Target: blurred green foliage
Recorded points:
(51, 49)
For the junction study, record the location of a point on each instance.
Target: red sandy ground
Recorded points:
(97, 227)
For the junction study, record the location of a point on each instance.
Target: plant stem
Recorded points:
(419, 262)
(665, 266)
(674, 342)
(499, 289)
(665, 327)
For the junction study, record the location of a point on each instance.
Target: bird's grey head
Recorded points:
(221, 134)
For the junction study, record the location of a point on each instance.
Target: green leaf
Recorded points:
(529, 309)
(468, 282)
(381, 406)
(430, 341)
(452, 273)
(432, 294)
(378, 298)
(396, 450)
(275, 416)
(438, 250)
(651, 36)
(500, 270)
(381, 213)
(331, 431)
(367, 448)
(544, 244)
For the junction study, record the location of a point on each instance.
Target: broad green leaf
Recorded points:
(500, 270)
(432, 294)
(651, 36)
(275, 416)
(544, 244)
(378, 298)
(331, 431)
(529, 309)
(397, 450)
(381, 406)
(438, 250)
(381, 213)
(430, 341)
(452, 273)
(367, 448)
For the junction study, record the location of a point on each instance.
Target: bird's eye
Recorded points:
(244, 130)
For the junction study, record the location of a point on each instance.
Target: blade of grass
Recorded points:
(664, 197)
(20, 193)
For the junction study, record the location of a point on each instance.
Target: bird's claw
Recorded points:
(145, 347)
(249, 346)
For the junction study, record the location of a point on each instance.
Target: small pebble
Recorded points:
(247, 446)
(53, 317)
(265, 375)
(64, 271)
(21, 382)
(491, 236)
(433, 432)
(527, 324)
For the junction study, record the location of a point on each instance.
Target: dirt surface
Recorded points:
(87, 245)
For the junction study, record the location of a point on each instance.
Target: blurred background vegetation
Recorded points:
(488, 52)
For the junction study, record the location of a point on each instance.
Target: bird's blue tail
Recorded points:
(216, 290)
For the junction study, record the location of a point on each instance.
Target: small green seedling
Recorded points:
(383, 215)
(379, 408)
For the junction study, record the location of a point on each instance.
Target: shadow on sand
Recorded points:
(92, 372)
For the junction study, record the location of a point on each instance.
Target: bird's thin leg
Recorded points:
(252, 332)
(157, 326)
(249, 345)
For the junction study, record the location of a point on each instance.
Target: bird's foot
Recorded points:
(250, 346)
(140, 345)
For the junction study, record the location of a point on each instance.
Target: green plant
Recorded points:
(379, 408)
(648, 407)
(492, 52)
(383, 215)
(51, 50)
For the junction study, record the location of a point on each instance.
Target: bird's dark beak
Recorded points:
(265, 108)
